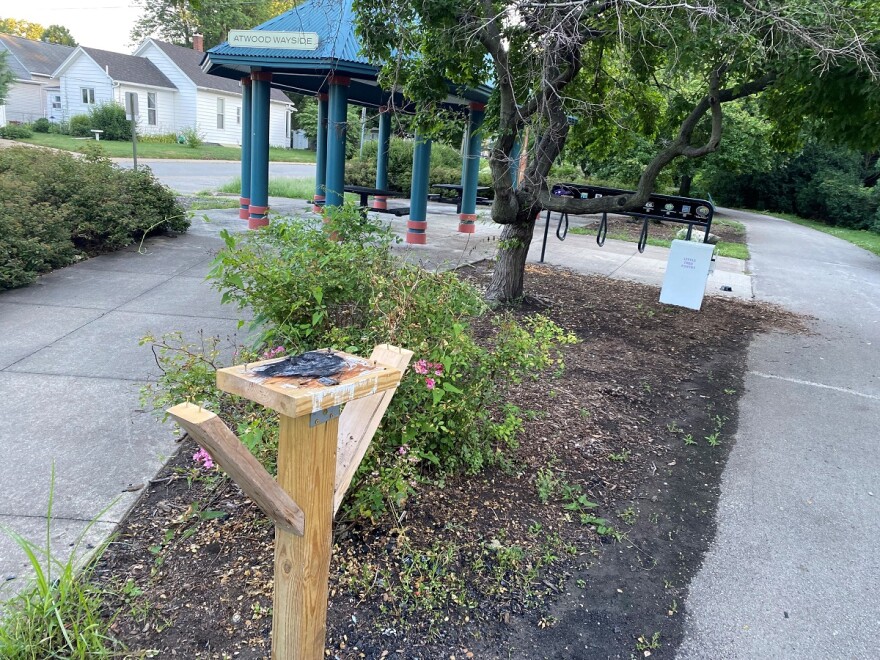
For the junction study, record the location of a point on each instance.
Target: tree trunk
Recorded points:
(507, 278)
(684, 189)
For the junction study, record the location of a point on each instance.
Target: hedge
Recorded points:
(55, 207)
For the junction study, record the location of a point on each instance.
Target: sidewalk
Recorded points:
(71, 367)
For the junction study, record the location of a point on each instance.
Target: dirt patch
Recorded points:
(580, 544)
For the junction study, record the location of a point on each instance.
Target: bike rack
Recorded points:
(684, 210)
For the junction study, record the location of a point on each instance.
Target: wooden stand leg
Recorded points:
(307, 472)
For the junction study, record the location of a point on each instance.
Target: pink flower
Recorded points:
(430, 383)
(421, 367)
(438, 369)
(204, 458)
(404, 450)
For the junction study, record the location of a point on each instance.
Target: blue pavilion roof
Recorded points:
(338, 52)
(332, 20)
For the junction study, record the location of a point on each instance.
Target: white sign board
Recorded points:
(269, 39)
(686, 273)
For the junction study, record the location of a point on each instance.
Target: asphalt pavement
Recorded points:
(794, 570)
(192, 176)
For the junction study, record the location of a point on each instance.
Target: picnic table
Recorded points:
(365, 194)
(457, 188)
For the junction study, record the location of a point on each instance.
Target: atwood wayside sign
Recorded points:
(267, 39)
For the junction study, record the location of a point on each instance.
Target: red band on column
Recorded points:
(417, 225)
(380, 202)
(246, 80)
(414, 238)
(383, 108)
(244, 211)
(478, 106)
(258, 217)
(265, 76)
(333, 79)
(466, 223)
(323, 96)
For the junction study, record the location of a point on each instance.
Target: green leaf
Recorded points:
(449, 387)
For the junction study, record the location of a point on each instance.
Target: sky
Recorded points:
(104, 24)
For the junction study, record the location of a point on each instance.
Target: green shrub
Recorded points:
(60, 128)
(110, 118)
(400, 155)
(80, 126)
(15, 131)
(55, 206)
(42, 125)
(192, 137)
(159, 138)
(449, 412)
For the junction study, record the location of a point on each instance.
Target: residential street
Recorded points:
(191, 176)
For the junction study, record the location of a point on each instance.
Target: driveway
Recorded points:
(794, 571)
(191, 176)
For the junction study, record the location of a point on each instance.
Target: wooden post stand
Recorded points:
(312, 481)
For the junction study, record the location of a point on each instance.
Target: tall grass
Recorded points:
(292, 188)
(58, 616)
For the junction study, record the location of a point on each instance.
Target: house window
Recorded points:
(88, 95)
(238, 115)
(56, 101)
(220, 113)
(151, 108)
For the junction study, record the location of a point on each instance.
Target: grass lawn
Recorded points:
(868, 240)
(722, 248)
(116, 149)
(292, 188)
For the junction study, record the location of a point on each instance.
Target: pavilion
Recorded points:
(313, 49)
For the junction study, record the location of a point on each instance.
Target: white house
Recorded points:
(173, 92)
(215, 102)
(34, 92)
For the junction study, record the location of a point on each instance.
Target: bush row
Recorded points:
(54, 207)
(821, 182)
(445, 165)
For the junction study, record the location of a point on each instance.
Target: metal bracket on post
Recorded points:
(324, 416)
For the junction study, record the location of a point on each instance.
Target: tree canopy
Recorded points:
(598, 58)
(6, 78)
(54, 34)
(19, 28)
(176, 21)
(58, 34)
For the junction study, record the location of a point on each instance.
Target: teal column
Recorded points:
(321, 153)
(337, 126)
(381, 202)
(245, 199)
(514, 162)
(259, 206)
(471, 170)
(418, 196)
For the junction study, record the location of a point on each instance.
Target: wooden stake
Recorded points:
(306, 471)
(229, 453)
(361, 418)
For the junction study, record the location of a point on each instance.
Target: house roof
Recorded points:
(189, 61)
(31, 57)
(128, 68)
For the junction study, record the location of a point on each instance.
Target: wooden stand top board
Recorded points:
(294, 396)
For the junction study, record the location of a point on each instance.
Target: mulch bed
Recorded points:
(514, 562)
